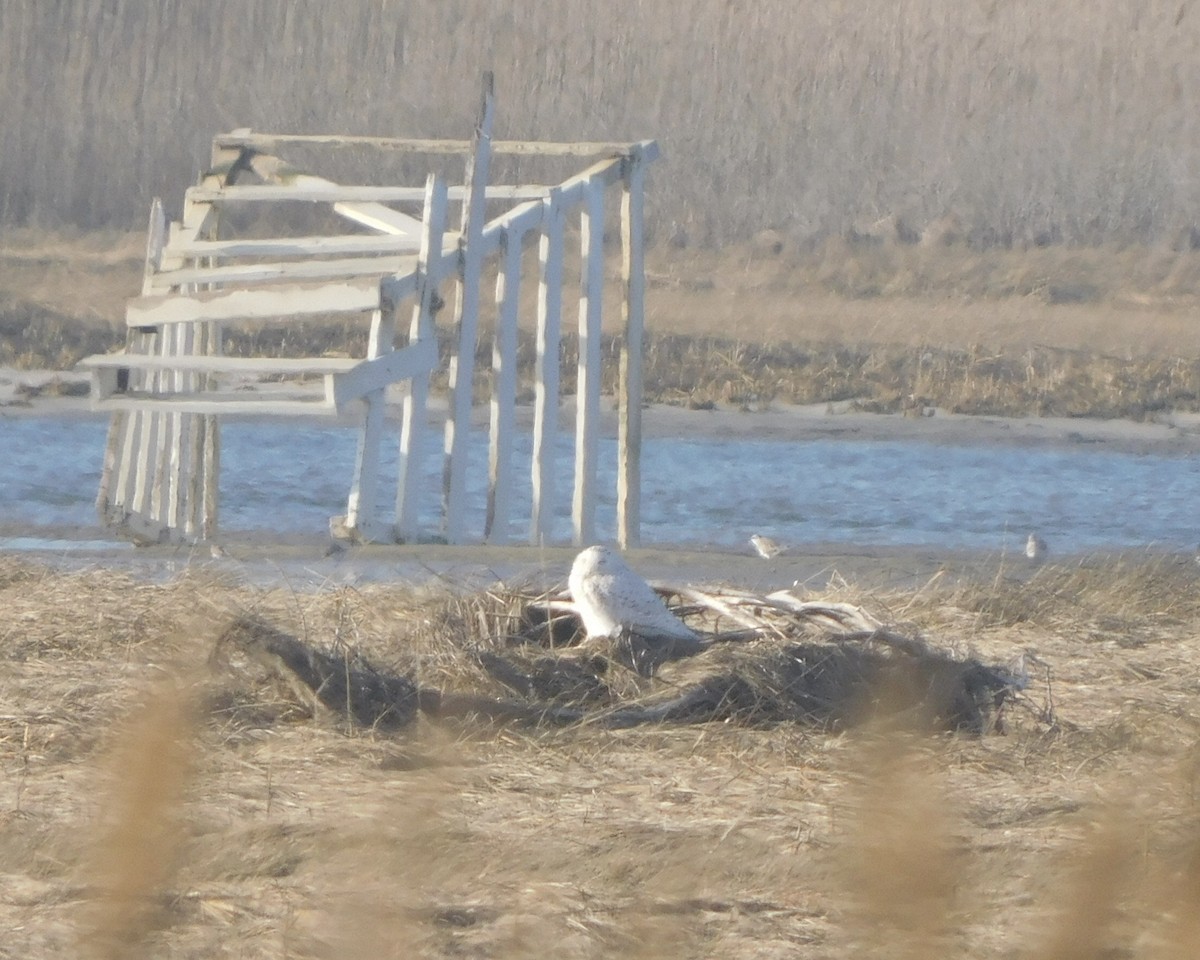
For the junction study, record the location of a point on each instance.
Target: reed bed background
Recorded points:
(985, 207)
(278, 834)
(1030, 123)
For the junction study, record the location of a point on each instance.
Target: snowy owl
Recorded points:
(767, 548)
(1035, 548)
(615, 603)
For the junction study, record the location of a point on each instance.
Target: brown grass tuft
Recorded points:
(901, 859)
(135, 844)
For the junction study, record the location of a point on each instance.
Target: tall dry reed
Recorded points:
(1033, 122)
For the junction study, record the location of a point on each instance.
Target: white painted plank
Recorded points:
(218, 403)
(194, 478)
(362, 504)
(418, 359)
(184, 343)
(210, 501)
(523, 219)
(129, 462)
(504, 392)
(108, 468)
(285, 366)
(587, 399)
(200, 219)
(164, 438)
(314, 246)
(462, 363)
(421, 331)
(528, 216)
(298, 299)
(629, 421)
(546, 374)
(605, 172)
(397, 272)
(284, 270)
(194, 475)
(375, 216)
(548, 148)
(309, 192)
(126, 477)
(116, 473)
(156, 239)
(146, 455)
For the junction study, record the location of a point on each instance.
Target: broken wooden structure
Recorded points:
(170, 386)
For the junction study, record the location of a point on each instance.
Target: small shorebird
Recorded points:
(1035, 548)
(767, 548)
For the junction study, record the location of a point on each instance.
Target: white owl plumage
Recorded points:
(612, 600)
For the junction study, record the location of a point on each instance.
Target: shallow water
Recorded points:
(695, 491)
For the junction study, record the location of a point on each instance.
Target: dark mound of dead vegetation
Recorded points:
(523, 657)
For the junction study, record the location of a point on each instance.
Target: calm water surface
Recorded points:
(695, 491)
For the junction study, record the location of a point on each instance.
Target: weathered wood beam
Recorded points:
(374, 216)
(117, 470)
(294, 246)
(587, 389)
(466, 324)
(269, 141)
(308, 193)
(362, 506)
(416, 360)
(421, 330)
(283, 270)
(216, 403)
(504, 389)
(332, 296)
(629, 418)
(251, 366)
(548, 338)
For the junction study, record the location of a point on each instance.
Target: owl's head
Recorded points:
(597, 559)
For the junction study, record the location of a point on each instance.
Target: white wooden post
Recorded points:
(202, 220)
(462, 364)
(212, 450)
(422, 327)
(587, 389)
(548, 338)
(156, 460)
(182, 428)
(117, 474)
(362, 508)
(149, 440)
(179, 341)
(130, 440)
(194, 521)
(373, 216)
(629, 422)
(504, 388)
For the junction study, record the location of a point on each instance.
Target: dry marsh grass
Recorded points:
(246, 828)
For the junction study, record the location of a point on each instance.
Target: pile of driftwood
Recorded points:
(762, 659)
